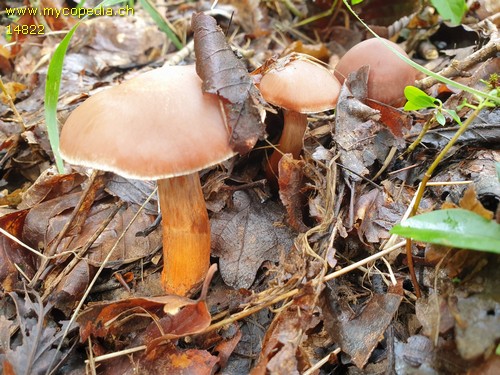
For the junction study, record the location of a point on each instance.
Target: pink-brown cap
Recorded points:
(299, 84)
(156, 125)
(388, 75)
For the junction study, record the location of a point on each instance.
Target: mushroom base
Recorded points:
(186, 234)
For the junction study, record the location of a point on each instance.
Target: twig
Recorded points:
(490, 49)
(320, 363)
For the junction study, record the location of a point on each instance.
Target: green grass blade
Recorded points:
(161, 22)
(453, 227)
(53, 84)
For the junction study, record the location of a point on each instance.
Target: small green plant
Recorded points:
(417, 99)
(453, 227)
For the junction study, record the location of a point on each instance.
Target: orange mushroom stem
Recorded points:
(186, 233)
(291, 140)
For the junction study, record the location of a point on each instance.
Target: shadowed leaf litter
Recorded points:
(283, 300)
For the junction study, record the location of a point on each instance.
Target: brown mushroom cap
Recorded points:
(388, 76)
(300, 85)
(156, 125)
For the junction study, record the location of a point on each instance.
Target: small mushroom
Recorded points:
(300, 86)
(388, 76)
(158, 126)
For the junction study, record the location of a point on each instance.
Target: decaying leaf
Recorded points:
(70, 290)
(281, 353)
(37, 351)
(394, 119)
(226, 347)
(470, 202)
(224, 75)
(12, 254)
(359, 335)
(49, 185)
(102, 319)
(377, 214)
(166, 359)
(166, 317)
(361, 138)
(45, 221)
(290, 184)
(477, 325)
(247, 234)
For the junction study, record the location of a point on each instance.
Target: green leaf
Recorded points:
(417, 99)
(53, 84)
(452, 10)
(455, 116)
(354, 2)
(440, 118)
(454, 227)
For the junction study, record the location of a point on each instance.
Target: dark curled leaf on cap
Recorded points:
(225, 75)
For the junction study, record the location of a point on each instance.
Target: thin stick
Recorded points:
(320, 363)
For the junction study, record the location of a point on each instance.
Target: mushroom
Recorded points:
(158, 126)
(389, 75)
(300, 86)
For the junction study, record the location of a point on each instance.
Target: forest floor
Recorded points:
(310, 279)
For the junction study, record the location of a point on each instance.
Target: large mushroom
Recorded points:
(388, 76)
(158, 126)
(300, 86)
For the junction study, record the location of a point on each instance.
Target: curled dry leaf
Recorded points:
(167, 317)
(282, 343)
(290, 183)
(12, 254)
(36, 351)
(247, 234)
(225, 75)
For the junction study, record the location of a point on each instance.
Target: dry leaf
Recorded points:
(225, 75)
(247, 234)
(290, 184)
(12, 254)
(281, 345)
(359, 335)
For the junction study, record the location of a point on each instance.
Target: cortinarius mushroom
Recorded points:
(388, 76)
(299, 85)
(158, 126)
